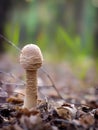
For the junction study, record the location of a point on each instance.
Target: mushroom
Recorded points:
(31, 59)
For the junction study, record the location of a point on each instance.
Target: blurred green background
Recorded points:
(64, 29)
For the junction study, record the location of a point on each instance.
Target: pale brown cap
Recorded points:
(31, 57)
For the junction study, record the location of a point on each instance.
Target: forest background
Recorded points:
(65, 30)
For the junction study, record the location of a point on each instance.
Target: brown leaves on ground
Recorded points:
(76, 110)
(14, 100)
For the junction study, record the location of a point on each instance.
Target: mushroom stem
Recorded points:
(31, 89)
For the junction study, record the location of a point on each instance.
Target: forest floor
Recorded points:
(65, 101)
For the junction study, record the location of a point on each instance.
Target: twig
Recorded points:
(53, 85)
(8, 41)
(6, 83)
(19, 93)
(9, 74)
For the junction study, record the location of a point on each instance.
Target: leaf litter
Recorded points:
(75, 112)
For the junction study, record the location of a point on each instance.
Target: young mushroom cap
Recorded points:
(31, 57)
